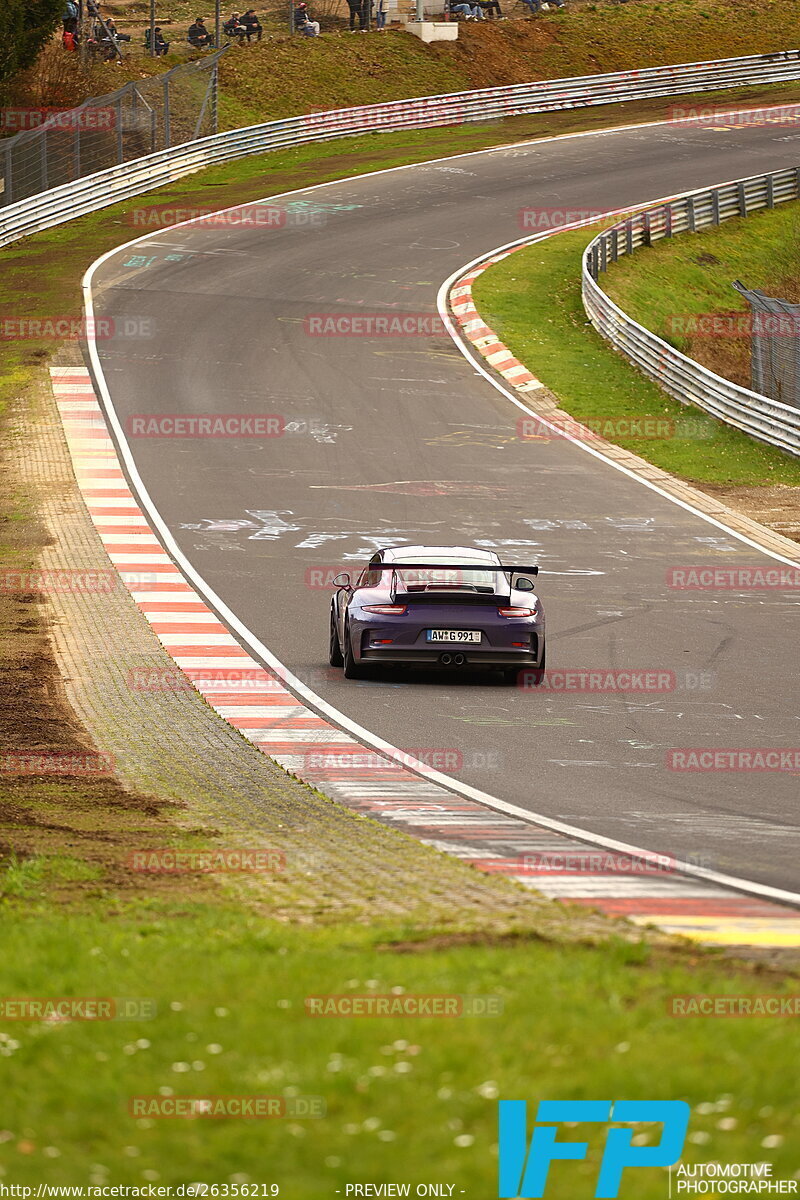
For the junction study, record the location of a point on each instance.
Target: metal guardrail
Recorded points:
(688, 381)
(107, 187)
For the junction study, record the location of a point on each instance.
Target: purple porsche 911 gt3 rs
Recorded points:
(445, 606)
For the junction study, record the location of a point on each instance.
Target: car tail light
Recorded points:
(517, 612)
(386, 610)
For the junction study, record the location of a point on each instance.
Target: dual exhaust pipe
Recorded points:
(456, 660)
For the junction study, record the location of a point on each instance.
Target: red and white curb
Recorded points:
(484, 339)
(256, 702)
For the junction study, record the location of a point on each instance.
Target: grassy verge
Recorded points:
(692, 275)
(533, 301)
(400, 1093)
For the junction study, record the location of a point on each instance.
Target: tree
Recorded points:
(25, 27)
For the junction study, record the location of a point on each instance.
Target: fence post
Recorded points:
(770, 191)
(167, 130)
(215, 97)
(690, 221)
(740, 188)
(668, 221)
(8, 179)
(120, 142)
(43, 158)
(715, 207)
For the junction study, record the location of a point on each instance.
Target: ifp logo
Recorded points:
(524, 1170)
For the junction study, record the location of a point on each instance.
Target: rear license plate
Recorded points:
(453, 635)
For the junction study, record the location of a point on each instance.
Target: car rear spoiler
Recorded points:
(451, 566)
(445, 595)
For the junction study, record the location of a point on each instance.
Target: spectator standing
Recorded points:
(252, 25)
(69, 17)
(197, 35)
(380, 15)
(356, 14)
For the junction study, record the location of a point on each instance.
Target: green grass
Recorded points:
(407, 1099)
(532, 300)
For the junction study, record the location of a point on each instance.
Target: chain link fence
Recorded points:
(774, 346)
(138, 119)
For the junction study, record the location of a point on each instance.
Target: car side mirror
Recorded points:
(342, 580)
(525, 585)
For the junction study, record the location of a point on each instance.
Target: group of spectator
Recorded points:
(483, 10)
(362, 13)
(238, 25)
(102, 36)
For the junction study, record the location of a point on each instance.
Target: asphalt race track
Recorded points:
(400, 439)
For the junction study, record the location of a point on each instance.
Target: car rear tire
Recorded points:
(352, 669)
(335, 657)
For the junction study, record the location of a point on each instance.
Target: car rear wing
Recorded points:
(442, 591)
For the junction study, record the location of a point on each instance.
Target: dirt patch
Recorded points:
(85, 824)
(777, 507)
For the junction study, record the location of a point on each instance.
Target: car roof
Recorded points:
(421, 553)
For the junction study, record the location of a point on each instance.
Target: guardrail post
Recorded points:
(614, 245)
(629, 236)
(668, 221)
(647, 239)
(603, 254)
(742, 194)
(770, 191)
(715, 207)
(690, 219)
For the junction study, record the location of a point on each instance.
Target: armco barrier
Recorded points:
(686, 380)
(107, 187)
